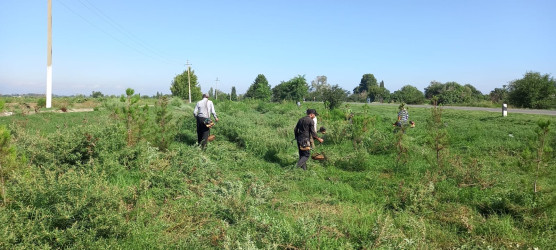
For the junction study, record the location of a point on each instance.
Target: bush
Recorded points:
(333, 97)
(62, 210)
(533, 91)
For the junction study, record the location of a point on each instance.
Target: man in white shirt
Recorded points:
(202, 112)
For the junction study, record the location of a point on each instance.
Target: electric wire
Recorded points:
(113, 36)
(87, 4)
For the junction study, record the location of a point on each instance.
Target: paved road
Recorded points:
(510, 110)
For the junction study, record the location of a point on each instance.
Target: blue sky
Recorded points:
(108, 46)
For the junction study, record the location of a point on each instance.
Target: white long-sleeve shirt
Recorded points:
(204, 108)
(315, 122)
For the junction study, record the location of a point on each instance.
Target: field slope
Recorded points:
(464, 180)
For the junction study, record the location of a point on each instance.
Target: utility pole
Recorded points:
(189, 78)
(216, 90)
(49, 59)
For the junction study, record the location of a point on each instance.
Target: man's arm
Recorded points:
(313, 132)
(195, 110)
(211, 109)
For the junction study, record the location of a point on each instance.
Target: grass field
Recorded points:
(78, 182)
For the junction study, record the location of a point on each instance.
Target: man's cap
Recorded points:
(312, 111)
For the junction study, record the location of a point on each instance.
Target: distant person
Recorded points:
(349, 113)
(403, 117)
(304, 131)
(202, 112)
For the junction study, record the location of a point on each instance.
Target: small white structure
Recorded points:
(504, 110)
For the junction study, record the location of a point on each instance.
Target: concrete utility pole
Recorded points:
(189, 78)
(216, 90)
(49, 59)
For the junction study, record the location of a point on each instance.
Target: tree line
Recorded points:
(534, 90)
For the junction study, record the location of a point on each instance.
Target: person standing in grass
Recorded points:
(403, 115)
(304, 131)
(403, 118)
(202, 112)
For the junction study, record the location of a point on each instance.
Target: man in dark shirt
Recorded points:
(304, 130)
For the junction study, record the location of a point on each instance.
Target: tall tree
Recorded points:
(211, 92)
(293, 90)
(434, 89)
(234, 94)
(319, 83)
(317, 88)
(533, 91)
(377, 93)
(260, 89)
(367, 81)
(180, 86)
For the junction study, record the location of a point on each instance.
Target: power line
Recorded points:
(111, 35)
(123, 30)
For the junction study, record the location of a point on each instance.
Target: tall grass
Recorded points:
(80, 185)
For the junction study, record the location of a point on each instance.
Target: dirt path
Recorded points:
(31, 112)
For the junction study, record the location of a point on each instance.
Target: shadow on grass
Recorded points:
(187, 138)
(272, 156)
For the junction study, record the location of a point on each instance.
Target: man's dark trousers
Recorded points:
(303, 157)
(203, 132)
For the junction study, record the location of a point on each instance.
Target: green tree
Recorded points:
(221, 95)
(453, 92)
(97, 94)
(131, 114)
(234, 94)
(180, 86)
(409, 94)
(543, 148)
(533, 91)
(434, 89)
(260, 89)
(378, 94)
(211, 92)
(7, 160)
(317, 87)
(499, 95)
(334, 96)
(384, 93)
(163, 131)
(41, 103)
(293, 90)
(367, 81)
(437, 134)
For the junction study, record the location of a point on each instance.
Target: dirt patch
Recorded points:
(31, 112)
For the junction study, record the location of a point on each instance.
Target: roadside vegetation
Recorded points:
(129, 175)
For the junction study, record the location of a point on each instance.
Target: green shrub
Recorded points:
(61, 210)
